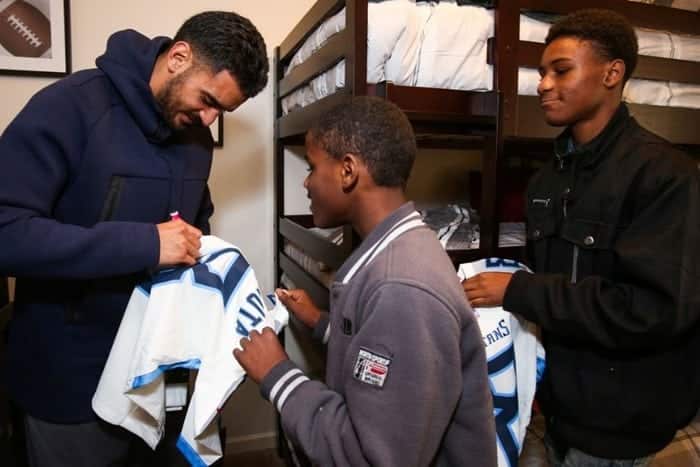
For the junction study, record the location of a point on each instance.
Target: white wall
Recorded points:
(241, 180)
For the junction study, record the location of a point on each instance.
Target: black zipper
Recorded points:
(72, 312)
(112, 200)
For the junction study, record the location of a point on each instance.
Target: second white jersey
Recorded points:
(515, 363)
(190, 317)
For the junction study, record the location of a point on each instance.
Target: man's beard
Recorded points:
(168, 102)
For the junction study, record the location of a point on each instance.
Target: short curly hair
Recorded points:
(611, 35)
(373, 129)
(224, 40)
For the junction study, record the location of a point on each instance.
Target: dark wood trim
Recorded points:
(325, 58)
(656, 68)
(639, 14)
(277, 167)
(356, 60)
(318, 13)
(676, 124)
(297, 122)
(441, 104)
(505, 69)
(679, 125)
(531, 122)
(313, 245)
(664, 69)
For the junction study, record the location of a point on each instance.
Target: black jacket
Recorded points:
(614, 239)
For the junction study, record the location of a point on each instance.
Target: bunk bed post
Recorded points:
(278, 190)
(356, 18)
(505, 64)
(356, 57)
(490, 197)
(505, 83)
(278, 165)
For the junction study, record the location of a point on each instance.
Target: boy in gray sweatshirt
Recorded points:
(406, 379)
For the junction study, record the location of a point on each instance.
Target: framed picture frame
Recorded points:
(217, 131)
(35, 37)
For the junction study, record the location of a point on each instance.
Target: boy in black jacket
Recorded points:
(613, 226)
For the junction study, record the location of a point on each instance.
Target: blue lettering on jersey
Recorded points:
(497, 334)
(256, 308)
(505, 406)
(226, 282)
(502, 263)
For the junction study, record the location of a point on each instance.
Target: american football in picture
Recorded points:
(24, 30)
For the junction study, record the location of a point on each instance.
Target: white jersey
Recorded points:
(189, 317)
(515, 363)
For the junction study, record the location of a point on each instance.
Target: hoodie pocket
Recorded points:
(136, 199)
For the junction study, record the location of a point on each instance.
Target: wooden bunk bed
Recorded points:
(499, 121)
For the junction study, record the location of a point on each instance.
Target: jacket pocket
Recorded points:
(541, 226)
(136, 199)
(593, 244)
(541, 221)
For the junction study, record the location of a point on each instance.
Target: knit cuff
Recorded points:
(281, 382)
(517, 292)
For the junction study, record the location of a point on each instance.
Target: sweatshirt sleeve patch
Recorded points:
(371, 368)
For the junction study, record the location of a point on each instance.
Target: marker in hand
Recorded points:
(175, 215)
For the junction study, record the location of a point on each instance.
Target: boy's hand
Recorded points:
(487, 288)
(260, 353)
(298, 302)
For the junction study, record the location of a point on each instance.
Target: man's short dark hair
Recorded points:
(224, 40)
(611, 35)
(376, 131)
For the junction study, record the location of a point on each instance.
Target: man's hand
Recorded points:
(298, 302)
(179, 243)
(260, 353)
(487, 288)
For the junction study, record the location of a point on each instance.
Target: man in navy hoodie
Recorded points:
(89, 171)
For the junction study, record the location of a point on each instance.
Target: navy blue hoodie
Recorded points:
(87, 169)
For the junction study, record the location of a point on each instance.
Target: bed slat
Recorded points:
(325, 58)
(319, 12)
(319, 248)
(295, 123)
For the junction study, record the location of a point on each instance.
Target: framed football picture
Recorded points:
(35, 37)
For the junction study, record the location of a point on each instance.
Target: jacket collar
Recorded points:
(405, 217)
(593, 151)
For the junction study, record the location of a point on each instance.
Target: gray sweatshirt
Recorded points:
(406, 378)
